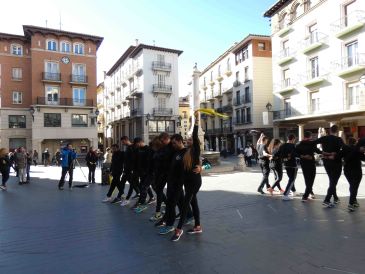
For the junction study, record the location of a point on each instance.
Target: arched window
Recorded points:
(16, 49)
(51, 45)
(65, 46)
(79, 48)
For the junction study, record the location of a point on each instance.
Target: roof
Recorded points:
(277, 6)
(124, 56)
(8, 36)
(247, 39)
(31, 30)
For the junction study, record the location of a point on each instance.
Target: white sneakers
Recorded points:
(107, 199)
(287, 198)
(124, 203)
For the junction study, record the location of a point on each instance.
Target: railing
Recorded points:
(50, 76)
(79, 78)
(162, 111)
(162, 88)
(161, 66)
(285, 83)
(219, 110)
(136, 112)
(315, 37)
(64, 101)
(282, 114)
(286, 52)
(228, 129)
(349, 20)
(227, 108)
(350, 61)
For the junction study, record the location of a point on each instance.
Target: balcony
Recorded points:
(227, 90)
(218, 130)
(124, 82)
(219, 78)
(138, 71)
(218, 94)
(78, 79)
(136, 92)
(228, 72)
(64, 101)
(51, 77)
(283, 30)
(287, 85)
(350, 65)
(228, 129)
(166, 89)
(314, 78)
(162, 66)
(162, 111)
(314, 42)
(211, 83)
(136, 112)
(283, 114)
(237, 101)
(349, 24)
(227, 109)
(219, 110)
(286, 55)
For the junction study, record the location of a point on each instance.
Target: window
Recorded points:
(161, 80)
(219, 70)
(353, 95)
(238, 116)
(352, 54)
(237, 76)
(16, 49)
(161, 58)
(285, 46)
(79, 96)
(17, 74)
(287, 107)
(52, 71)
(65, 46)
(238, 97)
(243, 115)
(286, 78)
(17, 97)
(314, 68)
(52, 95)
(313, 33)
(349, 12)
(170, 126)
(248, 115)
(79, 73)
(78, 48)
(246, 74)
(161, 103)
(242, 55)
(79, 120)
(52, 45)
(315, 102)
(261, 46)
(247, 95)
(152, 126)
(211, 76)
(17, 121)
(52, 120)
(161, 126)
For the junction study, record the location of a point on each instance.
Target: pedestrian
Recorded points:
(190, 168)
(288, 156)
(47, 156)
(91, 159)
(35, 157)
(116, 169)
(100, 158)
(29, 163)
(353, 154)
(4, 167)
(276, 165)
(332, 161)
(58, 157)
(68, 156)
(105, 170)
(305, 150)
(264, 160)
(248, 155)
(21, 164)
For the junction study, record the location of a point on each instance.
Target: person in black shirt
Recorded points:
(116, 169)
(331, 155)
(287, 152)
(264, 159)
(353, 155)
(276, 164)
(305, 151)
(91, 159)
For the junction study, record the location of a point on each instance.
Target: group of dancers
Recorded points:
(165, 161)
(334, 153)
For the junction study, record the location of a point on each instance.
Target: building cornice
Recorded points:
(124, 57)
(8, 36)
(277, 6)
(144, 46)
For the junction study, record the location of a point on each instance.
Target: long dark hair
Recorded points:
(273, 144)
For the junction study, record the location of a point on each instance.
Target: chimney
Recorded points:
(104, 74)
(137, 42)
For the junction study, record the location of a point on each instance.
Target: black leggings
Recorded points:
(354, 178)
(192, 186)
(145, 187)
(92, 173)
(278, 172)
(292, 174)
(115, 183)
(132, 184)
(265, 175)
(334, 170)
(159, 186)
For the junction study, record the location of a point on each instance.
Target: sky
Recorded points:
(203, 29)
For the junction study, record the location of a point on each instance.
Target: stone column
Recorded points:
(235, 144)
(276, 132)
(217, 144)
(300, 132)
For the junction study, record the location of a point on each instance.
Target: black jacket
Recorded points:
(143, 160)
(130, 157)
(288, 155)
(331, 143)
(91, 158)
(306, 148)
(116, 167)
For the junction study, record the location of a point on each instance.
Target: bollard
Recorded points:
(241, 165)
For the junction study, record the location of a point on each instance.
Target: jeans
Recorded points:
(334, 170)
(265, 175)
(115, 184)
(22, 173)
(70, 172)
(309, 173)
(92, 173)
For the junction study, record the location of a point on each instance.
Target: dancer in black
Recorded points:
(116, 169)
(264, 160)
(305, 151)
(287, 152)
(192, 181)
(4, 167)
(91, 159)
(276, 164)
(353, 155)
(331, 155)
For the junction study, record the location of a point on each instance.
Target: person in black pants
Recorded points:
(332, 161)
(116, 169)
(68, 156)
(264, 160)
(353, 155)
(191, 168)
(91, 159)
(305, 151)
(287, 152)
(4, 167)
(276, 164)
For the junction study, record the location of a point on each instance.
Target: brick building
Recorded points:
(48, 89)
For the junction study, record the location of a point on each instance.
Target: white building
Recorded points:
(239, 84)
(318, 59)
(141, 93)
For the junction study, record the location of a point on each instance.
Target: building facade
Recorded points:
(100, 119)
(239, 84)
(184, 117)
(141, 93)
(318, 62)
(48, 89)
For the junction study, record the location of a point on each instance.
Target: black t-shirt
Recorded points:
(287, 153)
(307, 148)
(176, 171)
(331, 143)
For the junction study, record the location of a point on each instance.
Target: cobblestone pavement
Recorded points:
(44, 230)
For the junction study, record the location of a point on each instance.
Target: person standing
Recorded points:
(264, 160)
(276, 165)
(116, 169)
(35, 157)
(105, 170)
(305, 150)
(58, 157)
(4, 167)
(287, 152)
(91, 159)
(29, 163)
(47, 156)
(68, 156)
(248, 154)
(332, 161)
(21, 164)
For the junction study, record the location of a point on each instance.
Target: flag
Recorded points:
(212, 112)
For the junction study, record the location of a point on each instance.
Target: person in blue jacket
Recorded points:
(68, 156)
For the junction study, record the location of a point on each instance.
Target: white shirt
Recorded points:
(248, 151)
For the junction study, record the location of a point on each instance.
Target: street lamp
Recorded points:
(97, 112)
(148, 116)
(32, 110)
(269, 106)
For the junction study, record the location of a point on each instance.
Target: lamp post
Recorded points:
(148, 116)
(268, 106)
(32, 110)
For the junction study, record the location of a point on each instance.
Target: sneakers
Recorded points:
(351, 208)
(356, 204)
(60, 187)
(328, 204)
(195, 230)
(156, 217)
(270, 190)
(304, 199)
(177, 235)
(151, 200)
(107, 199)
(287, 198)
(141, 208)
(116, 200)
(134, 207)
(189, 221)
(124, 203)
(160, 223)
(166, 230)
(135, 197)
(336, 201)
(3, 187)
